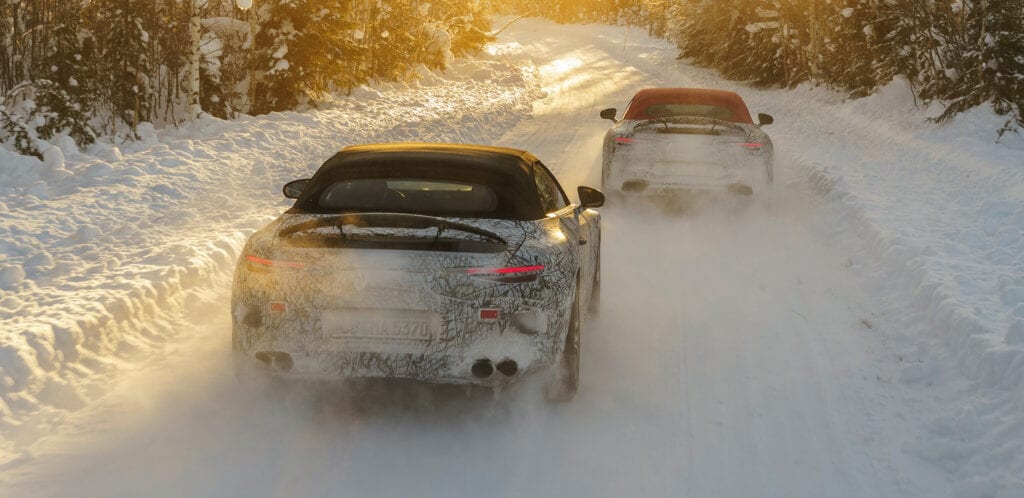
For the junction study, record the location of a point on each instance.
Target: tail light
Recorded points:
(262, 264)
(629, 140)
(753, 148)
(508, 275)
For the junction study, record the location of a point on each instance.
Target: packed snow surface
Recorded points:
(861, 335)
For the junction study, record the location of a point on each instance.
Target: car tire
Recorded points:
(604, 176)
(565, 379)
(606, 165)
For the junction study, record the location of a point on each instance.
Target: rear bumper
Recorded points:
(644, 188)
(434, 369)
(749, 176)
(465, 352)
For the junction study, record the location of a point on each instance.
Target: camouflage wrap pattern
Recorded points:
(305, 306)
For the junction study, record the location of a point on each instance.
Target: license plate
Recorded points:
(381, 330)
(683, 166)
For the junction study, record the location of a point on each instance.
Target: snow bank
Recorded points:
(944, 207)
(100, 249)
(942, 210)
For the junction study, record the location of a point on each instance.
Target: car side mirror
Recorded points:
(590, 197)
(609, 113)
(294, 188)
(764, 119)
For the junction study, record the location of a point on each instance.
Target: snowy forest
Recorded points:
(101, 67)
(960, 53)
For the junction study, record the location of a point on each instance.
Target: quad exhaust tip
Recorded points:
(508, 368)
(634, 186)
(279, 361)
(741, 189)
(482, 368)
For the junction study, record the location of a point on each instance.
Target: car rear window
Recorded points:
(410, 194)
(455, 185)
(664, 102)
(699, 110)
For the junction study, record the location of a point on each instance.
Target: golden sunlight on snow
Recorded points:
(561, 66)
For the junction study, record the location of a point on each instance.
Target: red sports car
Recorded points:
(673, 140)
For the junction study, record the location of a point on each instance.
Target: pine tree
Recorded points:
(303, 50)
(851, 57)
(54, 95)
(986, 56)
(123, 60)
(64, 96)
(1007, 69)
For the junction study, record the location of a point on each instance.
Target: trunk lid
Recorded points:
(685, 154)
(404, 261)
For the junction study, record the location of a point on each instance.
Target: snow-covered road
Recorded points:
(731, 359)
(739, 352)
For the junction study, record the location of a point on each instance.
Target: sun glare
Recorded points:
(561, 66)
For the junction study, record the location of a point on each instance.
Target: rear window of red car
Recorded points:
(664, 102)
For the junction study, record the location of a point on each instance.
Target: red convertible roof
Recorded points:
(653, 96)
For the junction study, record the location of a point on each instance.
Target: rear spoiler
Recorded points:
(688, 120)
(299, 234)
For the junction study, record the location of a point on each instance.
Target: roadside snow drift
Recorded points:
(98, 249)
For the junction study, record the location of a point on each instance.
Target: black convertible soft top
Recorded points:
(506, 173)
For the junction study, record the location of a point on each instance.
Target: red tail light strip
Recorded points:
(505, 271)
(271, 262)
(508, 275)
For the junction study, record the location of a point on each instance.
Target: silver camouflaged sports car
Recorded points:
(673, 140)
(430, 262)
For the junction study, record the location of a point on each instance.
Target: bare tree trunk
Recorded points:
(815, 35)
(195, 57)
(253, 29)
(17, 45)
(982, 44)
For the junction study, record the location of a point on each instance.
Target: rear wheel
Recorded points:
(605, 181)
(565, 380)
(607, 156)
